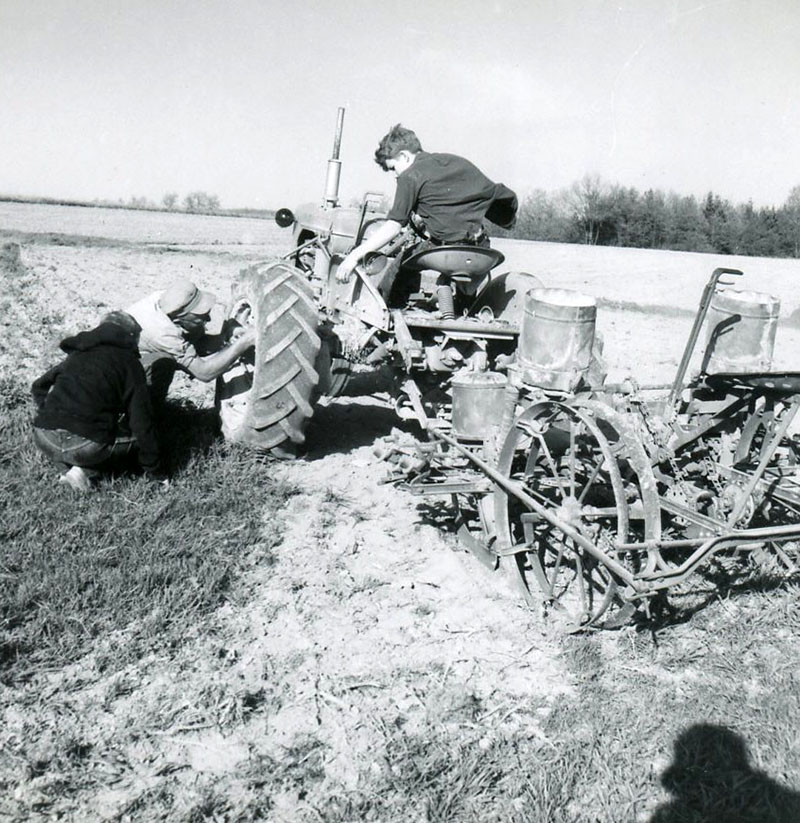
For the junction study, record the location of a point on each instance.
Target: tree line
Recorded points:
(200, 202)
(195, 201)
(594, 212)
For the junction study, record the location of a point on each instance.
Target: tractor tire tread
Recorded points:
(280, 399)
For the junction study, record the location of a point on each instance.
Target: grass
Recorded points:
(705, 692)
(691, 722)
(127, 558)
(692, 726)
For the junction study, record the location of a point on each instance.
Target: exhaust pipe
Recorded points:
(334, 166)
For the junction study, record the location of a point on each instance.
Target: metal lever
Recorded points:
(705, 303)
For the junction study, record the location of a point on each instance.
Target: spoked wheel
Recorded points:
(565, 458)
(776, 499)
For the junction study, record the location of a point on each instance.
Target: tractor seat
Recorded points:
(467, 263)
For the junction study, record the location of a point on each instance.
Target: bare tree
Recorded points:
(588, 199)
(200, 201)
(170, 200)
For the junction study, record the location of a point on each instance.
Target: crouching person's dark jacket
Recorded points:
(100, 381)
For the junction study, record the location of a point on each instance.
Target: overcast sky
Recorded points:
(121, 98)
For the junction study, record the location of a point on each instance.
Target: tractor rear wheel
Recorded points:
(267, 399)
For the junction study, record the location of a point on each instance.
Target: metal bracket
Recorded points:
(705, 303)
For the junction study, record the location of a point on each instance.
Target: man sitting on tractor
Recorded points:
(448, 194)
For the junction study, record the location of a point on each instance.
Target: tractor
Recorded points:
(444, 316)
(599, 498)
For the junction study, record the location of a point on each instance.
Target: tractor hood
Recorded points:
(338, 224)
(327, 220)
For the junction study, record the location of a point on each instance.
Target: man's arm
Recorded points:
(140, 418)
(213, 365)
(41, 386)
(384, 234)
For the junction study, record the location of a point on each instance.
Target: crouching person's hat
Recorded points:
(124, 320)
(183, 297)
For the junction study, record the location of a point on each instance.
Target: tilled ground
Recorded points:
(370, 619)
(370, 622)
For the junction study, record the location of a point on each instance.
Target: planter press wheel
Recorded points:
(565, 457)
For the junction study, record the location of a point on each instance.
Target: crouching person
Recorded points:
(173, 338)
(93, 408)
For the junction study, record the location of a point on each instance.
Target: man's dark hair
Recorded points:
(398, 139)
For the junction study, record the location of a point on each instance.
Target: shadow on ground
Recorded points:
(710, 778)
(360, 416)
(348, 424)
(186, 431)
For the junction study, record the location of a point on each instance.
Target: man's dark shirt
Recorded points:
(101, 379)
(451, 195)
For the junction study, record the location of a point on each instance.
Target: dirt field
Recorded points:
(369, 614)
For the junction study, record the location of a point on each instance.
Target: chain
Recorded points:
(659, 437)
(713, 475)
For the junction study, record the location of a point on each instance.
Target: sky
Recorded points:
(113, 99)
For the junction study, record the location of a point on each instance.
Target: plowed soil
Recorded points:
(371, 612)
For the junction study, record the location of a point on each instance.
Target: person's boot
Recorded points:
(76, 478)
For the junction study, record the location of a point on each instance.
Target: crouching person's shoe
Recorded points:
(76, 478)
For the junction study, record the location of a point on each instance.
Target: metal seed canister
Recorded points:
(477, 403)
(740, 334)
(556, 338)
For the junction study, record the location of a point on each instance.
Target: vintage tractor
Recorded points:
(443, 315)
(600, 498)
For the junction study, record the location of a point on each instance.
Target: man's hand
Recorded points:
(242, 314)
(244, 338)
(210, 366)
(345, 269)
(377, 240)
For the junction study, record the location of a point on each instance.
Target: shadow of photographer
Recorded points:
(710, 779)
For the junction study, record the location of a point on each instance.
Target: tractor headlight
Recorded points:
(284, 218)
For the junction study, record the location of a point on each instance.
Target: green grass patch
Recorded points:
(701, 716)
(127, 558)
